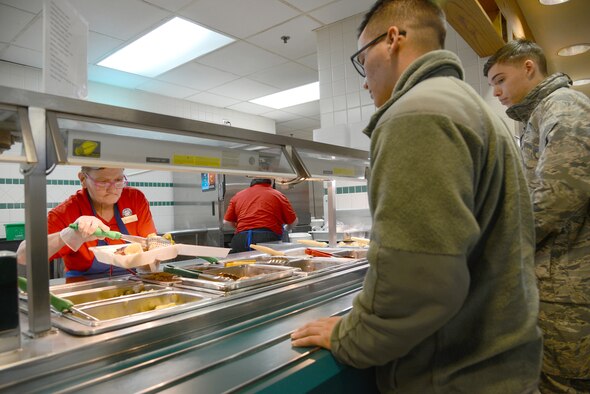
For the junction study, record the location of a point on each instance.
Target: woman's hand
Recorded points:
(87, 225)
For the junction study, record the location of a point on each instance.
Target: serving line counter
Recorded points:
(237, 341)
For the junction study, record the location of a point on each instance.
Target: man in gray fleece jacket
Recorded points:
(449, 302)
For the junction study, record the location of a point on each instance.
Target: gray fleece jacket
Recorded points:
(449, 303)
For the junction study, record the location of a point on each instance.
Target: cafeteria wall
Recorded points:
(63, 182)
(346, 108)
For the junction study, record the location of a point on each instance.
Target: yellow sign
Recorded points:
(196, 161)
(86, 148)
(344, 171)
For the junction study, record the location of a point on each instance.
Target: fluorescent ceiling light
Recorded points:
(169, 45)
(581, 82)
(552, 2)
(290, 97)
(573, 50)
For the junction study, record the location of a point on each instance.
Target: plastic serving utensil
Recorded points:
(61, 304)
(117, 235)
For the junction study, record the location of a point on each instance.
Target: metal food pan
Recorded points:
(120, 280)
(123, 288)
(318, 264)
(157, 303)
(249, 275)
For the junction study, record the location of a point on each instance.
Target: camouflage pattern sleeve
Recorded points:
(560, 186)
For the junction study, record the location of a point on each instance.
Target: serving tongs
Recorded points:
(62, 305)
(194, 274)
(146, 243)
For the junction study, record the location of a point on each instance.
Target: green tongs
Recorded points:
(116, 235)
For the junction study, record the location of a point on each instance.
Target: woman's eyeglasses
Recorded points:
(357, 63)
(118, 184)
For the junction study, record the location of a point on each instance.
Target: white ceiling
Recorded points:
(258, 62)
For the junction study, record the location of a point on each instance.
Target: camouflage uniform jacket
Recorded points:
(556, 149)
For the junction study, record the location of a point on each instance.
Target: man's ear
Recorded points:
(530, 68)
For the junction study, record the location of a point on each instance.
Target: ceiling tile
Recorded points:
(241, 58)
(99, 46)
(279, 116)
(286, 76)
(12, 22)
(171, 5)
(214, 100)
(244, 89)
(24, 56)
(306, 109)
(308, 5)
(197, 76)
(34, 6)
(302, 41)
(310, 61)
(109, 76)
(121, 19)
(341, 10)
(167, 89)
(32, 37)
(249, 108)
(240, 18)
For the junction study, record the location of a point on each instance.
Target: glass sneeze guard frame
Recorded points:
(16, 138)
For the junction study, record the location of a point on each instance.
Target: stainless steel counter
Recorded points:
(236, 342)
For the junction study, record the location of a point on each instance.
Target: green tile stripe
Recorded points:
(51, 205)
(349, 189)
(76, 182)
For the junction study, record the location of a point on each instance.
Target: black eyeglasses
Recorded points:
(358, 65)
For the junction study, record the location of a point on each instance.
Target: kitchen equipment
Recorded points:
(266, 249)
(60, 304)
(185, 273)
(146, 243)
(310, 242)
(9, 324)
(318, 253)
(296, 237)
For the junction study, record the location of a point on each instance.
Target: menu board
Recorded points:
(65, 41)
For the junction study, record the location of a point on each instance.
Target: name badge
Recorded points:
(129, 219)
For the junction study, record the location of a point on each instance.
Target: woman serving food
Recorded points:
(104, 202)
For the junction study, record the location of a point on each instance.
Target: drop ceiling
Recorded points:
(258, 62)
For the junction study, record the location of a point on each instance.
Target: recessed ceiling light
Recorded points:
(552, 2)
(169, 45)
(580, 82)
(573, 50)
(290, 97)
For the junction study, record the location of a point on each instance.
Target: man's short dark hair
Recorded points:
(258, 181)
(407, 14)
(518, 51)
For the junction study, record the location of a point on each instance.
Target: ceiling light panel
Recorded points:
(291, 97)
(573, 50)
(176, 42)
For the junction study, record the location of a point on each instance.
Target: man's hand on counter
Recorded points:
(316, 333)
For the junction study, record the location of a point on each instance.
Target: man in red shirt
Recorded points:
(258, 214)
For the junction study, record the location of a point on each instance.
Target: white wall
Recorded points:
(346, 107)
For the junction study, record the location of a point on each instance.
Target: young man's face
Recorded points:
(511, 82)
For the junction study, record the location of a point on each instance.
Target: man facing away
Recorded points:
(555, 145)
(449, 303)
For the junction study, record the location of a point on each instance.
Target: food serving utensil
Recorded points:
(146, 243)
(194, 274)
(62, 305)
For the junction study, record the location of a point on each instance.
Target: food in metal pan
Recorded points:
(159, 277)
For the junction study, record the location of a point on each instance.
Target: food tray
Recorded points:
(257, 274)
(106, 254)
(104, 293)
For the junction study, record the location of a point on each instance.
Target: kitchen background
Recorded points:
(176, 199)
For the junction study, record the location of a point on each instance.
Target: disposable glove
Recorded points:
(87, 225)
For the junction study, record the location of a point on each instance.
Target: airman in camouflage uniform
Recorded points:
(555, 144)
